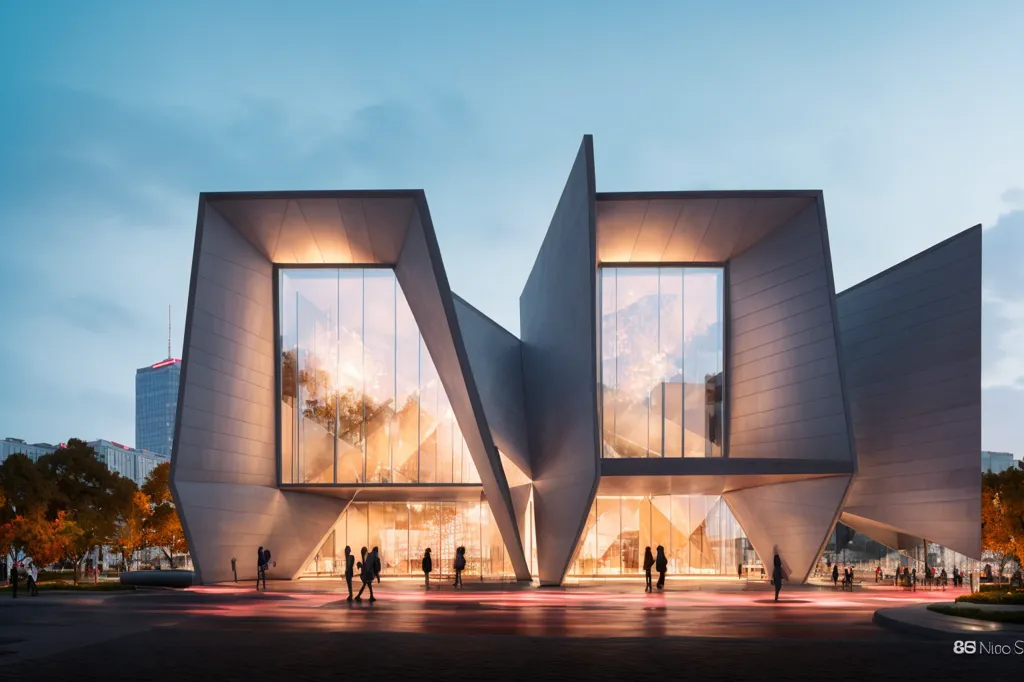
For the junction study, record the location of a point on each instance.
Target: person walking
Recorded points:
(777, 575)
(661, 566)
(460, 565)
(33, 575)
(261, 562)
(366, 574)
(350, 562)
(427, 565)
(29, 583)
(835, 575)
(234, 568)
(376, 564)
(648, 565)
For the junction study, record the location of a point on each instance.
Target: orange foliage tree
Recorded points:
(1002, 514)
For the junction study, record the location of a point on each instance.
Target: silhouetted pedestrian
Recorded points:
(648, 565)
(376, 564)
(350, 562)
(835, 575)
(261, 561)
(14, 581)
(33, 577)
(777, 576)
(739, 571)
(427, 565)
(661, 566)
(460, 565)
(234, 569)
(366, 574)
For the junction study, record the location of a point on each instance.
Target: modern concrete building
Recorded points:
(685, 377)
(127, 461)
(12, 446)
(156, 405)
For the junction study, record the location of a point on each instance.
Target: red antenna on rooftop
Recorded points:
(168, 332)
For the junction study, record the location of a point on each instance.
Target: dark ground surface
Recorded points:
(600, 634)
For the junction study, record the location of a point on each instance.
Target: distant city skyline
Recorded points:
(900, 112)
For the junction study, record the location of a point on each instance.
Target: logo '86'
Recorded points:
(965, 647)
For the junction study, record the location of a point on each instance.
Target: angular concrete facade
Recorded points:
(913, 355)
(806, 407)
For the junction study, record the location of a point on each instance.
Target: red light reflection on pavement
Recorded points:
(590, 612)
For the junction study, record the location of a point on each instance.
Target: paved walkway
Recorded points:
(597, 632)
(917, 619)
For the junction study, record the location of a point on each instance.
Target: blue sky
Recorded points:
(116, 115)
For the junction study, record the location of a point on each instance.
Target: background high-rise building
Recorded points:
(127, 461)
(11, 446)
(996, 462)
(156, 405)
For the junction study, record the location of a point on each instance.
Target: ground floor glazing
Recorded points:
(699, 533)
(404, 530)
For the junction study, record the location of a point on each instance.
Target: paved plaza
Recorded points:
(611, 630)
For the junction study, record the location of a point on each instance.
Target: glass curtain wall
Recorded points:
(699, 533)
(361, 400)
(848, 548)
(662, 346)
(403, 530)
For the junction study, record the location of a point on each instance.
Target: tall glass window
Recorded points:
(361, 400)
(699, 533)
(662, 348)
(402, 531)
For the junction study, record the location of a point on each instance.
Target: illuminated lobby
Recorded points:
(684, 375)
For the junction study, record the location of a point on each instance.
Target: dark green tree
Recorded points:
(91, 497)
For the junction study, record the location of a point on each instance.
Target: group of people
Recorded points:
(31, 573)
(369, 570)
(847, 577)
(459, 565)
(658, 563)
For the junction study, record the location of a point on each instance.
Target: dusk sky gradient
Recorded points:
(115, 115)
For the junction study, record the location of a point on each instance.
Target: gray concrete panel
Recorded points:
(326, 230)
(233, 521)
(421, 275)
(912, 354)
(320, 227)
(224, 462)
(496, 358)
(685, 227)
(783, 355)
(792, 519)
(558, 326)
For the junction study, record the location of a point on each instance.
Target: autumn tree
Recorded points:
(131, 533)
(163, 526)
(25, 494)
(42, 539)
(89, 495)
(1002, 514)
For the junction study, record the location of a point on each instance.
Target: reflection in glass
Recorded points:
(661, 354)
(699, 534)
(403, 531)
(361, 399)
